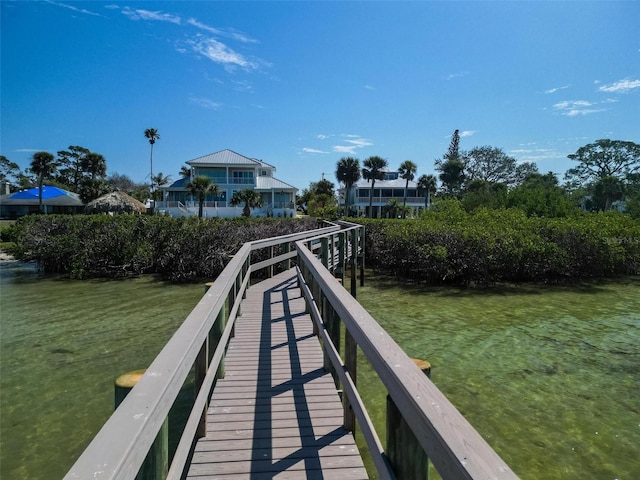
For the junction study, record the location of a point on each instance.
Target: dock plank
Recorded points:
(277, 413)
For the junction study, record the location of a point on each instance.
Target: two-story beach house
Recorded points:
(392, 187)
(231, 172)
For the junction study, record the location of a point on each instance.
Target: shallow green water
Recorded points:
(550, 376)
(62, 345)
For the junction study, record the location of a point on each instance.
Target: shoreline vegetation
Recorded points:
(445, 246)
(449, 246)
(102, 246)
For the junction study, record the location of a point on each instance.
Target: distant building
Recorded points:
(231, 172)
(26, 202)
(392, 187)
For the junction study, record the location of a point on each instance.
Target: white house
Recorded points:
(231, 172)
(392, 187)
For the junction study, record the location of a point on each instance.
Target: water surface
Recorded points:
(62, 345)
(549, 375)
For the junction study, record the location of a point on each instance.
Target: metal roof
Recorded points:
(180, 183)
(228, 157)
(268, 183)
(50, 196)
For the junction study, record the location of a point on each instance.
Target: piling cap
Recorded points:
(129, 379)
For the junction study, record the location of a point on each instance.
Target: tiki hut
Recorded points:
(116, 202)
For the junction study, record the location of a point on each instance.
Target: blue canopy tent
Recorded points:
(25, 202)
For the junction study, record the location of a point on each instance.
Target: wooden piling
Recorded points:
(156, 463)
(406, 456)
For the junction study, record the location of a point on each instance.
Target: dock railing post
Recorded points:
(156, 463)
(361, 229)
(324, 253)
(350, 363)
(201, 367)
(287, 249)
(271, 256)
(406, 456)
(216, 334)
(341, 253)
(354, 259)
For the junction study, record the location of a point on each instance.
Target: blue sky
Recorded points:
(301, 84)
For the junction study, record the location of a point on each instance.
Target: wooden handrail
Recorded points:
(120, 447)
(456, 449)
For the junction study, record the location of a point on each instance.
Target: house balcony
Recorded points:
(411, 201)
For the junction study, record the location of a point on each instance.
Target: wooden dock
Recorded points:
(276, 413)
(264, 407)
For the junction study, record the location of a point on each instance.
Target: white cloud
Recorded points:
(466, 133)
(140, 14)
(243, 86)
(75, 9)
(621, 86)
(320, 136)
(28, 150)
(369, 87)
(312, 150)
(554, 90)
(457, 75)
(205, 103)
(202, 26)
(360, 142)
(223, 33)
(218, 52)
(345, 149)
(112, 7)
(574, 108)
(355, 142)
(537, 154)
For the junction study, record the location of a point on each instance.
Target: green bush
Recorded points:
(449, 245)
(183, 249)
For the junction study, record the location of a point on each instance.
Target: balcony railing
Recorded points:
(385, 200)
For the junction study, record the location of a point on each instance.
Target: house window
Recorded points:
(217, 176)
(263, 173)
(242, 177)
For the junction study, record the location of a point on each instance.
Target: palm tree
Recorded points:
(153, 135)
(427, 184)
(160, 179)
(251, 199)
(185, 172)
(43, 165)
(199, 188)
(407, 171)
(373, 170)
(348, 172)
(94, 164)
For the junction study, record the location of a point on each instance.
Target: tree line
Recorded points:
(82, 171)
(607, 171)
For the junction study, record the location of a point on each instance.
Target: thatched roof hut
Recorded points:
(116, 202)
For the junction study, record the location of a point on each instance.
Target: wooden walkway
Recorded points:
(277, 413)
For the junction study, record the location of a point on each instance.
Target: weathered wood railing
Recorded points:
(430, 424)
(438, 429)
(120, 447)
